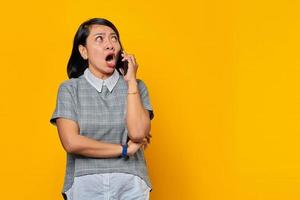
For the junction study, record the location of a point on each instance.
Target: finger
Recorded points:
(123, 54)
(149, 135)
(126, 57)
(148, 139)
(134, 60)
(145, 141)
(145, 146)
(131, 56)
(129, 59)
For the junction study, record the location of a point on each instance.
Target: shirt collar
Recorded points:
(97, 83)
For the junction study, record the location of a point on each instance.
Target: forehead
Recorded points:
(96, 28)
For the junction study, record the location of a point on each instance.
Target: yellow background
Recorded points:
(223, 78)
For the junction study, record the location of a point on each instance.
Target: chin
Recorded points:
(110, 69)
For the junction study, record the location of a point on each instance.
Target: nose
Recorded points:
(109, 45)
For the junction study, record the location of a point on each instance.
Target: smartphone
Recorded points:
(121, 64)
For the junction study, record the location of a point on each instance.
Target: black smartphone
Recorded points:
(122, 64)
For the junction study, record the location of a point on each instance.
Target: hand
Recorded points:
(147, 142)
(132, 66)
(133, 147)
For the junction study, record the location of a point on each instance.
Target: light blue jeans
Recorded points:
(109, 186)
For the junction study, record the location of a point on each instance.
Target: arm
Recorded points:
(75, 143)
(137, 118)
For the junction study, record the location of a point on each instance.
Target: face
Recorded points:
(102, 47)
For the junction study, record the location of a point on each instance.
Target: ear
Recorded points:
(83, 52)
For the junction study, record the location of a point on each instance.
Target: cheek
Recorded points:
(117, 46)
(95, 53)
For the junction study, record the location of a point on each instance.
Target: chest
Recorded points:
(102, 115)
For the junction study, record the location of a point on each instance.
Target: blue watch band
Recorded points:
(124, 151)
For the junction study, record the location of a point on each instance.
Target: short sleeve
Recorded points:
(145, 98)
(65, 105)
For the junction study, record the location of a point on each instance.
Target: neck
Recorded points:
(99, 74)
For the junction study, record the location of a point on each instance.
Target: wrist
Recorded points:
(132, 86)
(128, 151)
(132, 82)
(120, 149)
(124, 150)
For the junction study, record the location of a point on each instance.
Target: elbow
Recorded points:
(70, 147)
(137, 136)
(137, 139)
(138, 131)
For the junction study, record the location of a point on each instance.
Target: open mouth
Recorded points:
(109, 57)
(110, 60)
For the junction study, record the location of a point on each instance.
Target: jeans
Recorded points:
(108, 186)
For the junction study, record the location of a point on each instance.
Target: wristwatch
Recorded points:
(124, 151)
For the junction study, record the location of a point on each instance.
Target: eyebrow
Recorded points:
(104, 33)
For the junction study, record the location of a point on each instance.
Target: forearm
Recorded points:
(85, 146)
(137, 117)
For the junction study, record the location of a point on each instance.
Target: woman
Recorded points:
(103, 115)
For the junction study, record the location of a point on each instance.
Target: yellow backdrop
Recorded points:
(223, 82)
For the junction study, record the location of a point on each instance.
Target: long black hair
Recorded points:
(76, 64)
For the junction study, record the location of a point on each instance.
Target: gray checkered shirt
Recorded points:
(99, 108)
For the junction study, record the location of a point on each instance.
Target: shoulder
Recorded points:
(141, 83)
(142, 86)
(70, 85)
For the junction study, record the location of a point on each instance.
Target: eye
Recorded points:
(115, 38)
(97, 38)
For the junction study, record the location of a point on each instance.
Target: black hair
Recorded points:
(76, 64)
